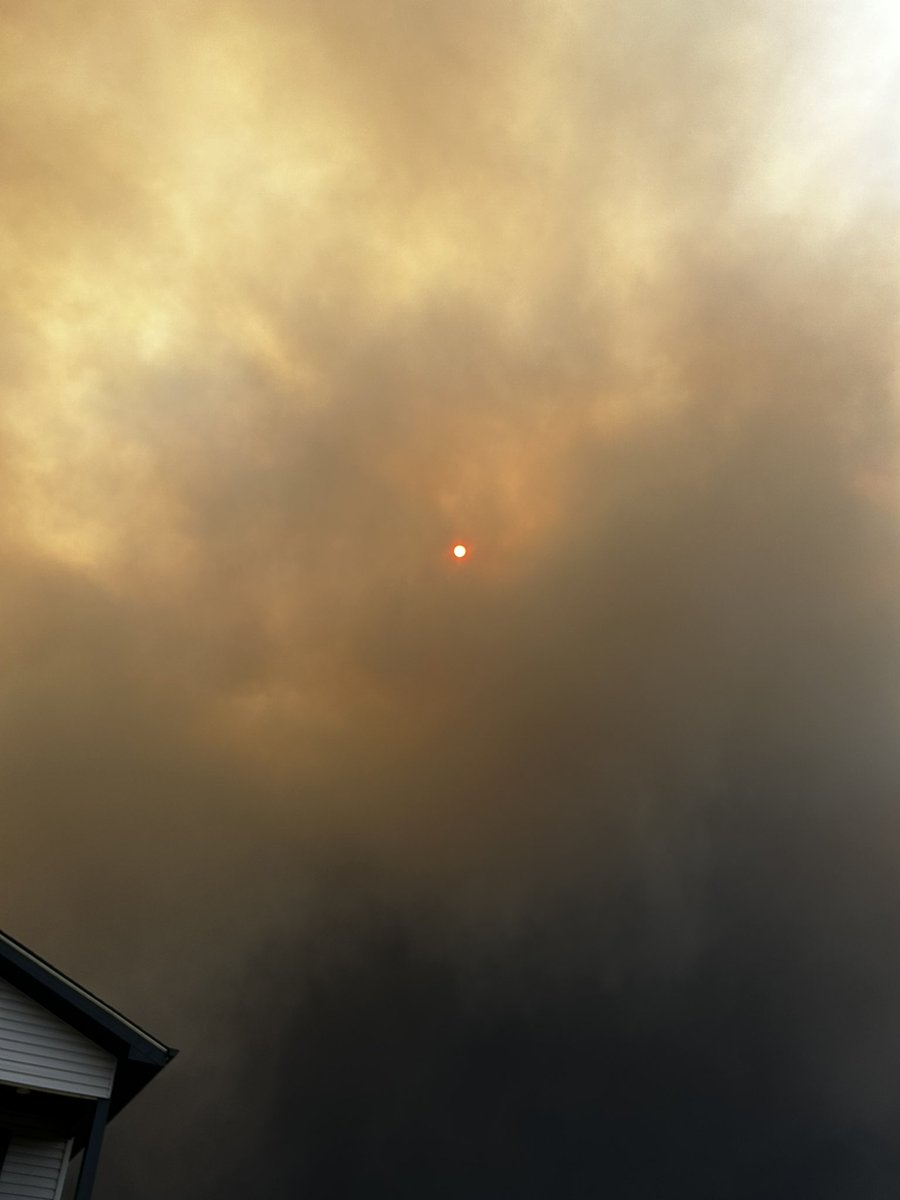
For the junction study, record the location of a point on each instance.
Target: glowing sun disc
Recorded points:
(460, 551)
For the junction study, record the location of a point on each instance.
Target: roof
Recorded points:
(140, 1056)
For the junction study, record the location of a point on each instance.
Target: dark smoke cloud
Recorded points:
(567, 868)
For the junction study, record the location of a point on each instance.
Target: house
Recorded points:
(68, 1064)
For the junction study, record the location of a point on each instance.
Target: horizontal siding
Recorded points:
(39, 1050)
(32, 1168)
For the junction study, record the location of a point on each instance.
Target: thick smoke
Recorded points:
(566, 869)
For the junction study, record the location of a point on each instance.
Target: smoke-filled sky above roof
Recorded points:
(565, 868)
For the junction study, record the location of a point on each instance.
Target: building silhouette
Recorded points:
(68, 1063)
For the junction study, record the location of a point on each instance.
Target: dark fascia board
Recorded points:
(140, 1055)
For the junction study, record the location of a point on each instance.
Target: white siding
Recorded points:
(33, 1168)
(39, 1050)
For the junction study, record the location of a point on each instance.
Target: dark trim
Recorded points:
(39, 1114)
(23, 961)
(91, 1156)
(140, 1056)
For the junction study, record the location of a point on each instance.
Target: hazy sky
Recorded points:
(569, 869)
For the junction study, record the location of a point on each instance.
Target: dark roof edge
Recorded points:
(90, 1006)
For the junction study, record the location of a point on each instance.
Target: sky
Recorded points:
(569, 868)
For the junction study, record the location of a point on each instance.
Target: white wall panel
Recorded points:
(39, 1050)
(33, 1168)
